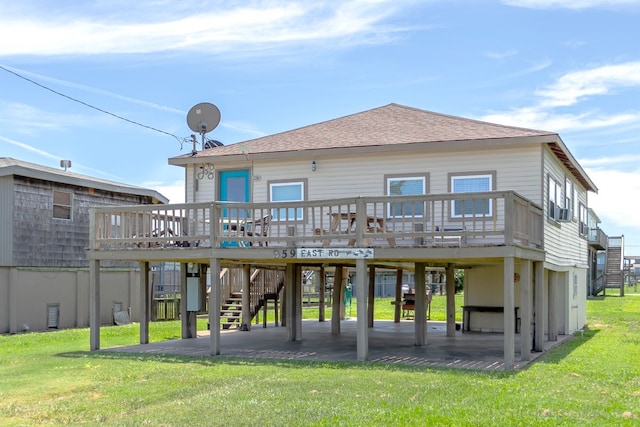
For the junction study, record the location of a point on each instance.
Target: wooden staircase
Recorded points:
(231, 311)
(613, 276)
(264, 286)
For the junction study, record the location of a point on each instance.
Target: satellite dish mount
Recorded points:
(202, 118)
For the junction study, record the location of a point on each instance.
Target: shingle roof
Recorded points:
(388, 125)
(9, 166)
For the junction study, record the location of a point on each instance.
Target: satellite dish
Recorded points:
(203, 117)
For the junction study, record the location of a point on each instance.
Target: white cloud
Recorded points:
(25, 119)
(535, 118)
(617, 201)
(568, 4)
(79, 168)
(215, 28)
(578, 85)
(569, 90)
(626, 159)
(172, 191)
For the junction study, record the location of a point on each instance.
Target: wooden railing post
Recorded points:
(361, 221)
(214, 220)
(509, 218)
(92, 228)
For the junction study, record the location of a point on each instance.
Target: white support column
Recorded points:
(362, 326)
(420, 312)
(525, 309)
(145, 302)
(451, 301)
(509, 313)
(246, 298)
(538, 306)
(94, 304)
(552, 305)
(214, 307)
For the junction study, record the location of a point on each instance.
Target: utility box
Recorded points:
(195, 288)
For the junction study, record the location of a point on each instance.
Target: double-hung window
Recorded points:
(555, 198)
(472, 207)
(62, 204)
(406, 186)
(569, 198)
(290, 191)
(583, 219)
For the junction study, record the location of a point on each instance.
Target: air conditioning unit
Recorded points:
(564, 215)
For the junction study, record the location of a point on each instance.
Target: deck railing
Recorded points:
(460, 219)
(597, 238)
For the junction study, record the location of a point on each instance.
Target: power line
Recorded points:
(180, 140)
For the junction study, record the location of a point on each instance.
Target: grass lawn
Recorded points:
(52, 378)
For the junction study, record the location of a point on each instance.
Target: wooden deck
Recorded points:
(440, 226)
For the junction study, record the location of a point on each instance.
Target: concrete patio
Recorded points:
(389, 343)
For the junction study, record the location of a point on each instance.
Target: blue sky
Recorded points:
(567, 66)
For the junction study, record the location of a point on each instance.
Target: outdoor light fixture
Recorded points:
(313, 166)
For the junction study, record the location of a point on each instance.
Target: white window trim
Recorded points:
(489, 214)
(390, 179)
(583, 226)
(299, 216)
(554, 214)
(569, 197)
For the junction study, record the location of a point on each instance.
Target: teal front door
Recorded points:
(233, 186)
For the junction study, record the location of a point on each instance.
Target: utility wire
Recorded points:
(180, 140)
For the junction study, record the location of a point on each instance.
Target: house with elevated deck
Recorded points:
(394, 188)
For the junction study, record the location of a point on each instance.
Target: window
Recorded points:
(287, 192)
(61, 204)
(406, 186)
(472, 184)
(569, 197)
(582, 218)
(555, 198)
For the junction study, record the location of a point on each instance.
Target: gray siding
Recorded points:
(6, 220)
(40, 240)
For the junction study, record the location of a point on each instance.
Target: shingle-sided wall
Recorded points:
(6, 220)
(39, 240)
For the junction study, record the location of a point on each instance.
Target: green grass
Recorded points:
(52, 379)
(384, 310)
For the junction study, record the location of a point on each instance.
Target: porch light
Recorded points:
(313, 166)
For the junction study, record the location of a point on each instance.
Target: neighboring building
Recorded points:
(417, 190)
(44, 233)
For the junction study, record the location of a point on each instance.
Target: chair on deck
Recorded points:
(409, 304)
(261, 229)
